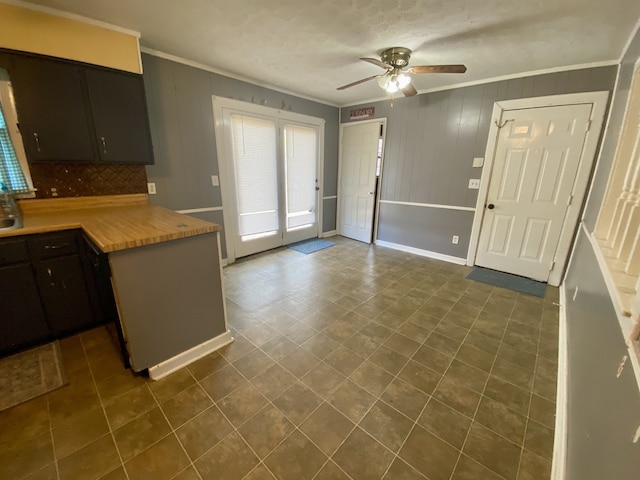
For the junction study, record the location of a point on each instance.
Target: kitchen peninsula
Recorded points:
(165, 272)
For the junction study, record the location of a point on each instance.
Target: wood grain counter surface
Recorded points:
(113, 223)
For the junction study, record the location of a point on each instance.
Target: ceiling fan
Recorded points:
(395, 61)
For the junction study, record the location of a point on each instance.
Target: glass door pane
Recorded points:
(300, 162)
(255, 162)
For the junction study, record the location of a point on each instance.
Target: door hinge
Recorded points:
(553, 264)
(588, 125)
(570, 201)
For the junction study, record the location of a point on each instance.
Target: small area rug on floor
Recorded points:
(29, 374)
(311, 245)
(507, 280)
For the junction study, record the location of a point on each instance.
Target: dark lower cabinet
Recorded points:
(22, 320)
(51, 285)
(64, 294)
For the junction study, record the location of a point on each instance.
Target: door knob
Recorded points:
(370, 193)
(491, 206)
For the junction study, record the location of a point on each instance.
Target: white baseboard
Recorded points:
(559, 461)
(331, 233)
(422, 253)
(185, 358)
(224, 262)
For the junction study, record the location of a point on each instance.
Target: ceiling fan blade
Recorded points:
(378, 63)
(439, 69)
(409, 91)
(357, 83)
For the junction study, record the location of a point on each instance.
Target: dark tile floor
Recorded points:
(355, 362)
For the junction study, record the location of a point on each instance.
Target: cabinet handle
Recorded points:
(104, 145)
(37, 139)
(56, 247)
(53, 283)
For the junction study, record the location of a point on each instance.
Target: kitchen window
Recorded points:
(14, 169)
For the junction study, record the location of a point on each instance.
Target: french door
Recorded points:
(269, 167)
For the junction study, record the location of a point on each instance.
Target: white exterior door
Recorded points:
(270, 175)
(356, 192)
(536, 161)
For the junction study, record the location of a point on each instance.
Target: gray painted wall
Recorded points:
(182, 130)
(431, 142)
(603, 411)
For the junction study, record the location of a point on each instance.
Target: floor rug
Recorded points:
(507, 280)
(26, 375)
(310, 246)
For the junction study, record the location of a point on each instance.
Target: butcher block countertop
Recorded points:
(114, 222)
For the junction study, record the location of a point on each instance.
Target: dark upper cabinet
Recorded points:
(73, 112)
(120, 119)
(54, 123)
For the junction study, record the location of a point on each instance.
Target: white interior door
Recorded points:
(536, 160)
(358, 161)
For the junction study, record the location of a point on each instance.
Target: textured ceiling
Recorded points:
(310, 47)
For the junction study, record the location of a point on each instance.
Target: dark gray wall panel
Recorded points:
(432, 139)
(182, 126)
(169, 297)
(610, 141)
(426, 228)
(329, 210)
(214, 217)
(603, 411)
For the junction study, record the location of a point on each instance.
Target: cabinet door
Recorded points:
(64, 293)
(22, 322)
(54, 123)
(120, 116)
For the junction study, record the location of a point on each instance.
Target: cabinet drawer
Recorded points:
(13, 251)
(54, 245)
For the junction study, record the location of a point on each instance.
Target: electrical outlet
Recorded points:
(455, 239)
(215, 181)
(474, 183)
(151, 188)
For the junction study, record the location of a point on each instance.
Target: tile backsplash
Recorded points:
(87, 179)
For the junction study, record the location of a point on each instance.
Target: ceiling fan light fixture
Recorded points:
(393, 82)
(403, 80)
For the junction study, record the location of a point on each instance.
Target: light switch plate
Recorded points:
(215, 181)
(478, 162)
(151, 188)
(474, 183)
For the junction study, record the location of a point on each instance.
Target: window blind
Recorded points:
(300, 163)
(10, 172)
(256, 171)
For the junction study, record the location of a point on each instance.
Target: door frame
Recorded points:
(376, 200)
(599, 101)
(230, 207)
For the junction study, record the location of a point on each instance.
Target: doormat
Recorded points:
(311, 245)
(29, 374)
(507, 280)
